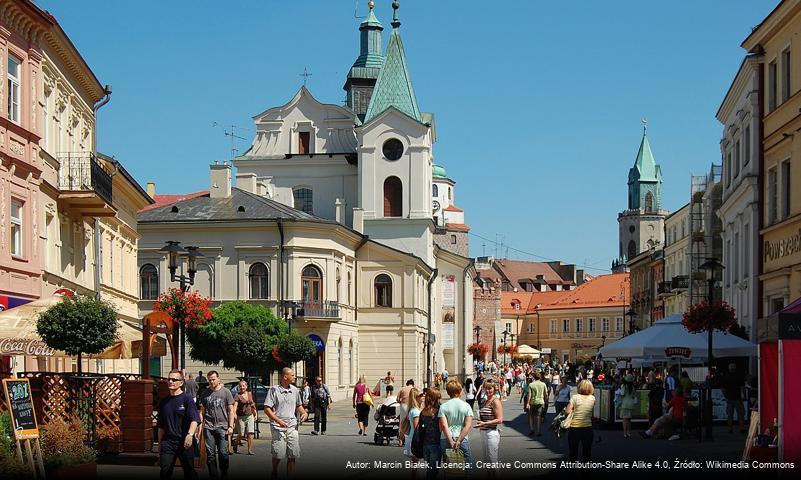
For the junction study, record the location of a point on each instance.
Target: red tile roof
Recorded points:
(541, 299)
(509, 298)
(602, 291)
(169, 199)
(457, 226)
(515, 270)
(452, 208)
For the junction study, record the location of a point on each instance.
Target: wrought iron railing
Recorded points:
(664, 288)
(320, 309)
(82, 172)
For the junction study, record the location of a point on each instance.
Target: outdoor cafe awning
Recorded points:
(667, 338)
(527, 350)
(18, 335)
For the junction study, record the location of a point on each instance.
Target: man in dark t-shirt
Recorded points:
(178, 421)
(732, 384)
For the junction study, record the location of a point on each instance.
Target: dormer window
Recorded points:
(304, 139)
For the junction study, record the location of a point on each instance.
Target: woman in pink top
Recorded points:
(362, 409)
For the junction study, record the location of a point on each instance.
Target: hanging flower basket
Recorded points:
(192, 308)
(478, 350)
(507, 348)
(704, 316)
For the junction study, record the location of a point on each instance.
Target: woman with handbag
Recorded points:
(579, 421)
(427, 434)
(490, 414)
(362, 401)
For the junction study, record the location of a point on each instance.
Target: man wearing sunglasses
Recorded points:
(283, 405)
(178, 421)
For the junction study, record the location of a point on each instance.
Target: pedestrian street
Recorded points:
(520, 455)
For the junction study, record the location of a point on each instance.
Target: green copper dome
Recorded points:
(439, 171)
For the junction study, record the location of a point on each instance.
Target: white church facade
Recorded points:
(337, 209)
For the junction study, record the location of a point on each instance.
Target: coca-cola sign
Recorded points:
(24, 346)
(671, 352)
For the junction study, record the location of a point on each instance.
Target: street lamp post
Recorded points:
(711, 266)
(174, 252)
(631, 314)
(505, 334)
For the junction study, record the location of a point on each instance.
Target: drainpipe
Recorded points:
(428, 339)
(98, 260)
(281, 306)
(464, 317)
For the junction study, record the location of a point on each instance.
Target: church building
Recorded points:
(341, 210)
(642, 224)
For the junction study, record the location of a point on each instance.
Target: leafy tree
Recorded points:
(248, 338)
(80, 325)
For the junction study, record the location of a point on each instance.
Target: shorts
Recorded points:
(625, 413)
(285, 444)
(246, 424)
(536, 410)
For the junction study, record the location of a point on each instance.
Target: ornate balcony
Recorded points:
(327, 310)
(84, 185)
(664, 288)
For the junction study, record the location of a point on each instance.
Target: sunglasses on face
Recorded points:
(175, 379)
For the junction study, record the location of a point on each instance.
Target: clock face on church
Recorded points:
(392, 149)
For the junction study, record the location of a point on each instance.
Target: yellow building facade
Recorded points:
(775, 42)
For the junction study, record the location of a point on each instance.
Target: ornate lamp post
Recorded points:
(477, 329)
(505, 334)
(174, 252)
(632, 315)
(711, 266)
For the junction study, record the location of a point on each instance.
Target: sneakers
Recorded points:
(675, 436)
(322, 433)
(314, 432)
(645, 434)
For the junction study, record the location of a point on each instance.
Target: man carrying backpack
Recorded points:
(321, 401)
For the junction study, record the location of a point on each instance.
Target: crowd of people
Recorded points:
(431, 430)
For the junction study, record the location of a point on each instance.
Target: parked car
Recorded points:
(260, 392)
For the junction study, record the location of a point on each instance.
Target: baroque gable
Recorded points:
(330, 128)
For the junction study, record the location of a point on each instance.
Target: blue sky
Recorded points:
(538, 103)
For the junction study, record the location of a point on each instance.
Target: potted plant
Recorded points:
(63, 450)
(108, 438)
(10, 467)
(80, 325)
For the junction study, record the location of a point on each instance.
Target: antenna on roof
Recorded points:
(231, 133)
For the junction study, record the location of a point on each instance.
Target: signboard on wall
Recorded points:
(319, 345)
(447, 335)
(449, 291)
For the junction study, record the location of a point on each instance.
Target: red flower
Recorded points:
(704, 316)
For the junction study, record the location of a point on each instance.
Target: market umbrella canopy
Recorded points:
(668, 338)
(527, 350)
(18, 334)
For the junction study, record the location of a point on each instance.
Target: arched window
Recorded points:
(258, 281)
(312, 286)
(349, 285)
(339, 283)
(149, 281)
(632, 249)
(649, 202)
(340, 363)
(349, 380)
(434, 190)
(393, 197)
(303, 199)
(383, 291)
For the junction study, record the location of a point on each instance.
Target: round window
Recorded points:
(393, 149)
(631, 229)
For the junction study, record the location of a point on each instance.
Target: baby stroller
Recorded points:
(388, 425)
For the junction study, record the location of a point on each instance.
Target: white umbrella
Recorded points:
(526, 350)
(668, 338)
